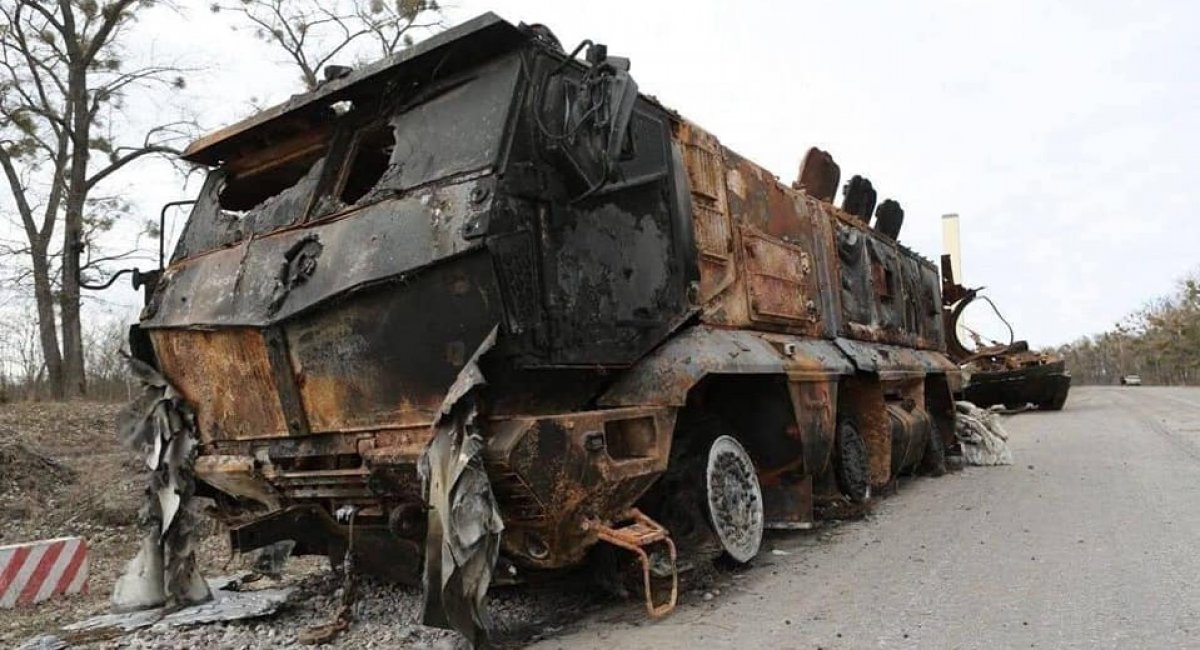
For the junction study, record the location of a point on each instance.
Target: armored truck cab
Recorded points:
(668, 343)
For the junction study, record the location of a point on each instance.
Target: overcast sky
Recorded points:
(1066, 136)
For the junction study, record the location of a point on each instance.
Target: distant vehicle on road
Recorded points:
(1131, 380)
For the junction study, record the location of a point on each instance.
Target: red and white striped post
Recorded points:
(36, 571)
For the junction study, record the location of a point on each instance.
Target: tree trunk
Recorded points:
(72, 335)
(74, 382)
(47, 332)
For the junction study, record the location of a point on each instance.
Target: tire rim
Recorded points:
(735, 506)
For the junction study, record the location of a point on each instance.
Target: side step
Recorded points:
(636, 532)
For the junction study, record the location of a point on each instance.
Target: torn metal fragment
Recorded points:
(463, 539)
(161, 426)
(223, 606)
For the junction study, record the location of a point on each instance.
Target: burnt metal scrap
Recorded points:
(161, 427)
(1007, 374)
(228, 603)
(463, 536)
(680, 351)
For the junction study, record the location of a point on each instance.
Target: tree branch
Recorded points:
(133, 155)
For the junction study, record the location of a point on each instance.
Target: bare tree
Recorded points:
(63, 81)
(22, 368)
(1160, 342)
(315, 33)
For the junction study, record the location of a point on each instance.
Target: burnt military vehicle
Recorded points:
(995, 373)
(664, 343)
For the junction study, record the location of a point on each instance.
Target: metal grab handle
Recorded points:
(623, 538)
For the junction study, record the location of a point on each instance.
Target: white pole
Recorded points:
(951, 246)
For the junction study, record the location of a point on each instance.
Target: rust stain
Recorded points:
(225, 374)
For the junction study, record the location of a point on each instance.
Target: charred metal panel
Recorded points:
(815, 405)
(886, 290)
(666, 375)
(615, 276)
(208, 226)
(854, 277)
(473, 42)
(386, 359)
(818, 175)
(922, 304)
(237, 475)
(211, 226)
(515, 260)
(890, 361)
(286, 208)
(887, 281)
(285, 382)
(226, 376)
(248, 284)
(779, 280)
(458, 129)
(861, 400)
(757, 199)
(552, 473)
(703, 159)
(779, 240)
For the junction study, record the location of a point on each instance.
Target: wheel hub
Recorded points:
(735, 505)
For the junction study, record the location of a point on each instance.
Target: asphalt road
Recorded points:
(1091, 540)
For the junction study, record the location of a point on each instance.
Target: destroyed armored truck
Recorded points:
(486, 254)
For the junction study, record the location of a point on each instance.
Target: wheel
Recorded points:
(734, 498)
(934, 462)
(850, 466)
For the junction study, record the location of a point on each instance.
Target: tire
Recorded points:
(851, 466)
(734, 499)
(934, 462)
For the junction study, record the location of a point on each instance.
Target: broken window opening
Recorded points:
(247, 187)
(369, 161)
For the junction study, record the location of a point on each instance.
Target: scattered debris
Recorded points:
(272, 558)
(984, 441)
(224, 605)
(162, 428)
(321, 634)
(44, 642)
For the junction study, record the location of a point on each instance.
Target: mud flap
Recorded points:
(463, 539)
(161, 427)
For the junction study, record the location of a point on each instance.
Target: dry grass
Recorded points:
(63, 473)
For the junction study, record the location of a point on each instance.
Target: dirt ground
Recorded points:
(63, 473)
(1087, 541)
